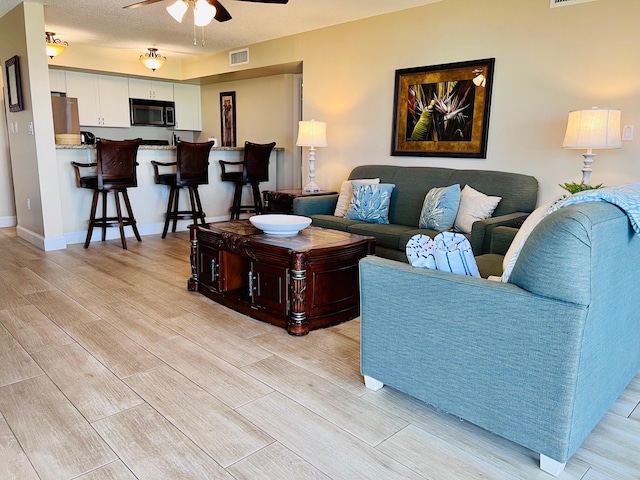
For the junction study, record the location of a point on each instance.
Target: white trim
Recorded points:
(45, 243)
(8, 222)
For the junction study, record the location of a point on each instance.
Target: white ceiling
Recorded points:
(107, 24)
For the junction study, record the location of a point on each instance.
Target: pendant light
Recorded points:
(152, 60)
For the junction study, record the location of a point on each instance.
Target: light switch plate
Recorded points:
(627, 132)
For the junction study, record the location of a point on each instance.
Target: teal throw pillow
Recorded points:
(370, 203)
(440, 208)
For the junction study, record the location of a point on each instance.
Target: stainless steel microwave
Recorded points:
(152, 112)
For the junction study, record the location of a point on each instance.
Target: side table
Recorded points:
(281, 201)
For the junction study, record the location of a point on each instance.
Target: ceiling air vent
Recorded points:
(566, 3)
(239, 57)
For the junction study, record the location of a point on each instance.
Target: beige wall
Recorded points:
(32, 150)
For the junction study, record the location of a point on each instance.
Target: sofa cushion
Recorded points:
(386, 235)
(474, 206)
(331, 221)
(440, 208)
(346, 193)
(370, 203)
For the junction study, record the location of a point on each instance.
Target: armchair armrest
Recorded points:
(320, 205)
(482, 229)
(77, 166)
(224, 163)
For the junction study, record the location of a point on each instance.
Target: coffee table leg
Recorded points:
(192, 283)
(297, 323)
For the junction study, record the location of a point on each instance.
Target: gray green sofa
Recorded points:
(519, 196)
(538, 360)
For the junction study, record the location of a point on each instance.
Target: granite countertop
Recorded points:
(155, 147)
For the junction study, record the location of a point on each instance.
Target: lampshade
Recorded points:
(203, 13)
(597, 128)
(177, 10)
(152, 60)
(312, 134)
(54, 46)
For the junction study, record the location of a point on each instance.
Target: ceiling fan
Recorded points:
(221, 15)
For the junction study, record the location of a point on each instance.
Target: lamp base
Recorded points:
(311, 187)
(586, 169)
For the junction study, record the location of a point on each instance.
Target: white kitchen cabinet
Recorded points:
(150, 89)
(103, 100)
(57, 81)
(188, 109)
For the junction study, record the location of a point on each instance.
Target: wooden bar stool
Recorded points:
(192, 169)
(255, 169)
(116, 171)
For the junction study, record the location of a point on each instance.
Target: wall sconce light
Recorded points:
(597, 128)
(312, 134)
(55, 46)
(152, 60)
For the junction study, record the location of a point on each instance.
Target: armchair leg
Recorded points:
(372, 384)
(551, 466)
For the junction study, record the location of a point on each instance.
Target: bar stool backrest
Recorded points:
(192, 163)
(256, 162)
(116, 163)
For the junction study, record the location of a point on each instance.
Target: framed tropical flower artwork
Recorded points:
(443, 110)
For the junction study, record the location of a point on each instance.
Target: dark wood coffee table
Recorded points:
(300, 283)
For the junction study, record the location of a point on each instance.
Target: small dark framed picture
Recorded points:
(228, 119)
(443, 110)
(14, 85)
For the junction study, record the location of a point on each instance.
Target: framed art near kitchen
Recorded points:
(443, 110)
(14, 85)
(228, 119)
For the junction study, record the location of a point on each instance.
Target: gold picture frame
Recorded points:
(443, 110)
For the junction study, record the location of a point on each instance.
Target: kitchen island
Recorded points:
(148, 200)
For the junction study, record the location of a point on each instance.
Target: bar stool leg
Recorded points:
(257, 199)
(104, 215)
(237, 201)
(92, 218)
(200, 213)
(176, 206)
(132, 220)
(167, 217)
(120, 221)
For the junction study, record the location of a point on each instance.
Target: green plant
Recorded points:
(578, 187)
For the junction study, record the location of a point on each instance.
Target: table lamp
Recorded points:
(312, 134)
(597, 128)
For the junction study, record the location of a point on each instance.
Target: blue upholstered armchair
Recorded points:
(538, 360)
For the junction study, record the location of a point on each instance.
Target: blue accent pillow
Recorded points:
(370, 203)
(440, 208)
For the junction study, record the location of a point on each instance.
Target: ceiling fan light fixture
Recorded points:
(54, 46)
(152, 60)
(177, 10)
(203, 13)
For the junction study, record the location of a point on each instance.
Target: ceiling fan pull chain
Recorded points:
(195, 41)
(202, 36)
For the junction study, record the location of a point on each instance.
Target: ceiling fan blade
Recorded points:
(142, 4)
(222, 15)
(281, 2)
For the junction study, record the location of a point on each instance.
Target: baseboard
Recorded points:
(46, 244)
(8, 222)
(143, 229)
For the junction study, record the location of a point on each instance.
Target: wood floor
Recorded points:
(110, 369)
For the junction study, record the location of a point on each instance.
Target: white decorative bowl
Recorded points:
(282, 225)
